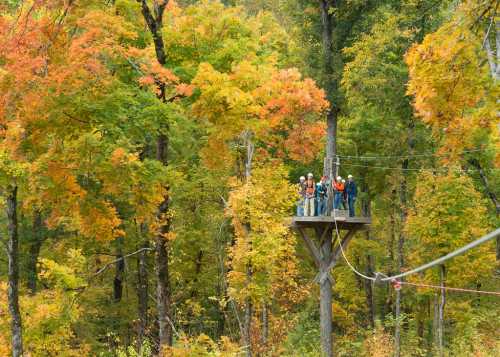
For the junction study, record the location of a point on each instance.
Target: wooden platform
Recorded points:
(343, 223)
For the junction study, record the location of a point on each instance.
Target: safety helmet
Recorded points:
(339, 178)
(302, 178)
(349, 176)
(310, 175)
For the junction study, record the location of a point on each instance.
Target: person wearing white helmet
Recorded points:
(310, 193)
(338, 189)
(301, 188)
(351, 192)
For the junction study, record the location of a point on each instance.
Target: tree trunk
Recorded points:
(13, 274)
(119, 271)
(435, 321)
(163, 293)
(397, 329)
(197, 271)
(392, 239)
(325, 298)
(370, 303)
(247, 324)
(404, 193)
(329, 168)
(366, 211)
(442, 302)
(247, 138)
(265, 324)
(163, 298)
(142, 293)
(154, 21)
(34, 251)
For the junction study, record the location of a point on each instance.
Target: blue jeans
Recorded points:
(300, 207)
(320, 206)
(351, 201)
(338, 200)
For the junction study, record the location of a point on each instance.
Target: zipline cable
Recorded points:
(409, 156)
(438, 261)
(441, 260)
(413, 169)
(343, 253)
(418, 285)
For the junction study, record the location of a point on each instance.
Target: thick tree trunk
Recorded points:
(325, 298)
(34, 251)
(13, 274)
(154, 21)
(329, 168)
(163, 293)
(119, 271)
(142, 293)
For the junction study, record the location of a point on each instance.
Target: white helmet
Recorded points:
(310, 175)
(349, 176)
(302, 178)
(339, 178)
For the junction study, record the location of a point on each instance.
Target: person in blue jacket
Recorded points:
(352, 192)
(321, 197)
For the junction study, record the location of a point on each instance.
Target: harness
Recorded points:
(310, 186)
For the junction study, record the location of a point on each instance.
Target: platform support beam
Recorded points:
(325, 258)
(325, 295)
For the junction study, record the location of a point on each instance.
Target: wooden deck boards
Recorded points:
(344, 223)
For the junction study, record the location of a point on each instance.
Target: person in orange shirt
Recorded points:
(338, 188)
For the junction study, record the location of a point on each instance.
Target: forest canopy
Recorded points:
(150, 155)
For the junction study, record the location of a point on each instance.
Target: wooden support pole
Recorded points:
(325, 258)
(325, 296)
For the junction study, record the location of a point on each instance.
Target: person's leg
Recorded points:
(306, 206)
(300, 207)
(313, 211)
(352, 200)
(338, 197)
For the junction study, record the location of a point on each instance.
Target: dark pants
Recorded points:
(351, 200)
(338, 200)
(320, 206)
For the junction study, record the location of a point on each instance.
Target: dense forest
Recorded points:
(150, 154)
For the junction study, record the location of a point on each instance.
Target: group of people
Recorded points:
(313, 199)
